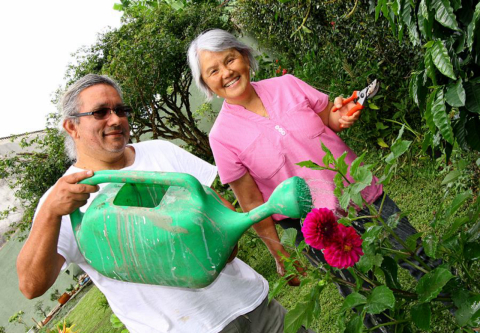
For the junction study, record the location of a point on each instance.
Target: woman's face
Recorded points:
(227, 74)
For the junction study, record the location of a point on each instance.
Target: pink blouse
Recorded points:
(269, 148)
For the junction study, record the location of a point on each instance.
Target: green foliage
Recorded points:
(453, 236)
(55, 295)
(447, 80)
(31, 174)
(17, 318)
(40, 309)
(147, 56)
(116, 323)
(337, 47)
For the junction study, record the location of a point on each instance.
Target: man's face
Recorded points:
(104, 137)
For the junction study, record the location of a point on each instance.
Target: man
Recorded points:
(95, 121)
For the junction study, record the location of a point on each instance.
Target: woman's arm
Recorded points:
(338, 121)
(250, 197)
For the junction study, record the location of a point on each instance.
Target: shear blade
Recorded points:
(373, 88)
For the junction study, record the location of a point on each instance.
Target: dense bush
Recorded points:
(337, 47)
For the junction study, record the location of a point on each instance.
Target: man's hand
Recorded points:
(67, 195)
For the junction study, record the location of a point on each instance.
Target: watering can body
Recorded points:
(165, 228)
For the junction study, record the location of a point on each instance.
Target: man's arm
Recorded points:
(38, 263)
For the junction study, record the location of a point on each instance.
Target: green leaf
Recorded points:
(338, 180)
(393, 220)
(455, 95)
(341, 165)
(372, 234)
(429, 65)
(367, 261)
(311, 165)
(431, 284)
(382, 143)
(412, 241)
(344, 200)
(472, 125)
(441, 59)
(457, 202)
(472, 26)
(355, 164)
(428, 112)
(353, 300)
(355, 325)
(406, 15)
(278, 286)
(399, 147)
(421, 315)
(418, 91)
(472, 251)
(440, 117)
(425, 20)
(373, 106)
(289, 236)
(451, 176)
(469, 312)
(472, 91)
(444, 14)
(390, 269)
(430, 243)
(295, 318)
(379, 300)
(118, 6)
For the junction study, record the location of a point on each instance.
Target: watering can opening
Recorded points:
(140, 195)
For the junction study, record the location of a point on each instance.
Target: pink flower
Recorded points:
(346, 248)
(284, 71)
(319, 228)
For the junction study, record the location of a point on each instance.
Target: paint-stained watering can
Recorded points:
(165, 228)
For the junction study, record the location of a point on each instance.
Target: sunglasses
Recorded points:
(103, 113)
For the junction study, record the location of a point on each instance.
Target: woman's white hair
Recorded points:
(215, 40)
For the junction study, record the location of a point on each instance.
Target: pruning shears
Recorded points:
(359, 97)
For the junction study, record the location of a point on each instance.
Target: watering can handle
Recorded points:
(147, 177)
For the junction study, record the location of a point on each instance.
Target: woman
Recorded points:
(264, 128)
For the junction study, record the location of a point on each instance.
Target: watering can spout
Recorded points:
(291, 198)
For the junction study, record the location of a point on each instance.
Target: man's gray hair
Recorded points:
(70, 105)
(215, 40)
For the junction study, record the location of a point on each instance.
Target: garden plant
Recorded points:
(374, 262)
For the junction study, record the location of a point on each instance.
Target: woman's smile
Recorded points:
(227, 74)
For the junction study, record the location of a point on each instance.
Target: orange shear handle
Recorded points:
(356, 108)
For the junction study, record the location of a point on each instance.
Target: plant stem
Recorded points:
(395, 251)
(387, 324)
(416, 266)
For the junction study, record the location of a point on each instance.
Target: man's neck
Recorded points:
(116, 162)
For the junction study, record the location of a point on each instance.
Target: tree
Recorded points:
(147, 56)
(17, 318)
(40, 310)
(31, 174)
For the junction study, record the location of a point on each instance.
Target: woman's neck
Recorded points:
(252, 103)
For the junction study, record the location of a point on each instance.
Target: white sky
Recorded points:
(37, 39)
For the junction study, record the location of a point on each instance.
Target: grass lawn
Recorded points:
(91, 313)
(415, 192)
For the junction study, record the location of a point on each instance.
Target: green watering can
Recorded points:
(165, 228)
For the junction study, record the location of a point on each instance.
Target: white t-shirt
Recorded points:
(148, 308)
